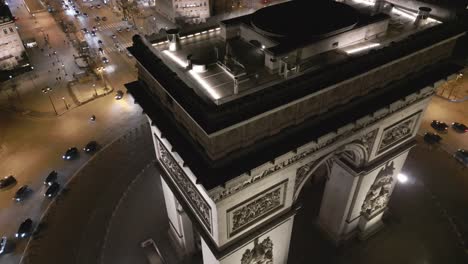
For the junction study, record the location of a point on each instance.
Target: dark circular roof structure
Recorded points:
(312, 17)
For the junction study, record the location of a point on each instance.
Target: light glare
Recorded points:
(402, 178)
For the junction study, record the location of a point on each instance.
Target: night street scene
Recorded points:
(233, 131)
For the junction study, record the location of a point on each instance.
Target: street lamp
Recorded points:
(402, 178)
(47, 90)
(101, 70)
(95, 91)
(65, 102)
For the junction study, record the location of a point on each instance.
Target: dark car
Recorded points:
(128, 29)
(93, 33)
(91, 147)
(52, 190)
(85, 14)
(104, 18)
(100, 50)
(119, 30)
(431, 138)
(98, 19)
(98, 6)
(99, 42)
(25, 229)
(105, 60)
(439, 126)
(21, 193)
(462, 156)
(119, 94)
(459, 127)
(70, 153)
(7, 181)
(4, 245)
(51, 178)
(113, 36)
(85, 30)
(95, 28)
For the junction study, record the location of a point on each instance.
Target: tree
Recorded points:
(129, 9)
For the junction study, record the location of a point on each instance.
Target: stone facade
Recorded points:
(12, 50)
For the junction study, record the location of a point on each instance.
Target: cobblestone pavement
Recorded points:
(73, 228)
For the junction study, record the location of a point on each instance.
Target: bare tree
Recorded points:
(129, 9)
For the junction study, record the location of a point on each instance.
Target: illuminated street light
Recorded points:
(402, 178)
(101, 70)
(46, 90)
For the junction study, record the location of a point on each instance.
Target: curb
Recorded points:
(453, 100)
(65, 185)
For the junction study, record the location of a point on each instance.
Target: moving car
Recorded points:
(431, 138)
(52, 190)
(93, 33)
(119, 30)
(462, 156)
(85, 14)
(113, 36)
(97, 19)
(99, 42)
(129, 54)
(98, 6)
(439, 126)
(21, 193)
(91, 147)
(105, 60)
(459, 127)
(85, 30)
(25, 229)
(51, 178)
(119, 94)
(70, 153)
(3, 245)
(7, 181)
(101, 50)
(128, 29)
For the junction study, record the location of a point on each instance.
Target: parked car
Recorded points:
(51, 178)
(7, 181)
(119, 94)
(70, 153)
(25, 229)
(21, 193)
(4, 245)
(462, 156)
(439, 126)
(91, 147)
(52, 190)
(432, 138)
(459, 127)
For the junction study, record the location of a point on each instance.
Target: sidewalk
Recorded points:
(455, 90)
(88, 90)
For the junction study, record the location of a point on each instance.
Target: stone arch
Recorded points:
(355, 152)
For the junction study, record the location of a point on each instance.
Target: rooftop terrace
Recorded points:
(234, 68)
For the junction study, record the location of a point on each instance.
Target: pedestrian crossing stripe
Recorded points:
(114, 49)
(114, 25)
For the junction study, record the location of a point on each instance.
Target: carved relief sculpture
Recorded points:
(398, 132)
(379, 193)
(260, 254)
(187, 187)
(256, 208)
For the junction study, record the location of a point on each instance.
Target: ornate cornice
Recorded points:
(186, 186)
(219, 193)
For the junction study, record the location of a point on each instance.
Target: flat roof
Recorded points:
(218, 85)
(5, 14)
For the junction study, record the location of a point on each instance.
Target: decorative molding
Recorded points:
(302, 173)
(256, 208)
(186, 186)
(260, 254)
(219, 193)
(368, 141)
(398, 132)
(379, 193)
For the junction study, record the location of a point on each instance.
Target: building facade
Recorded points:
(247, 114)
(186, 11)
(12, 50)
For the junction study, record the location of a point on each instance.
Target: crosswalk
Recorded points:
(119, 24)
(113, 48)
